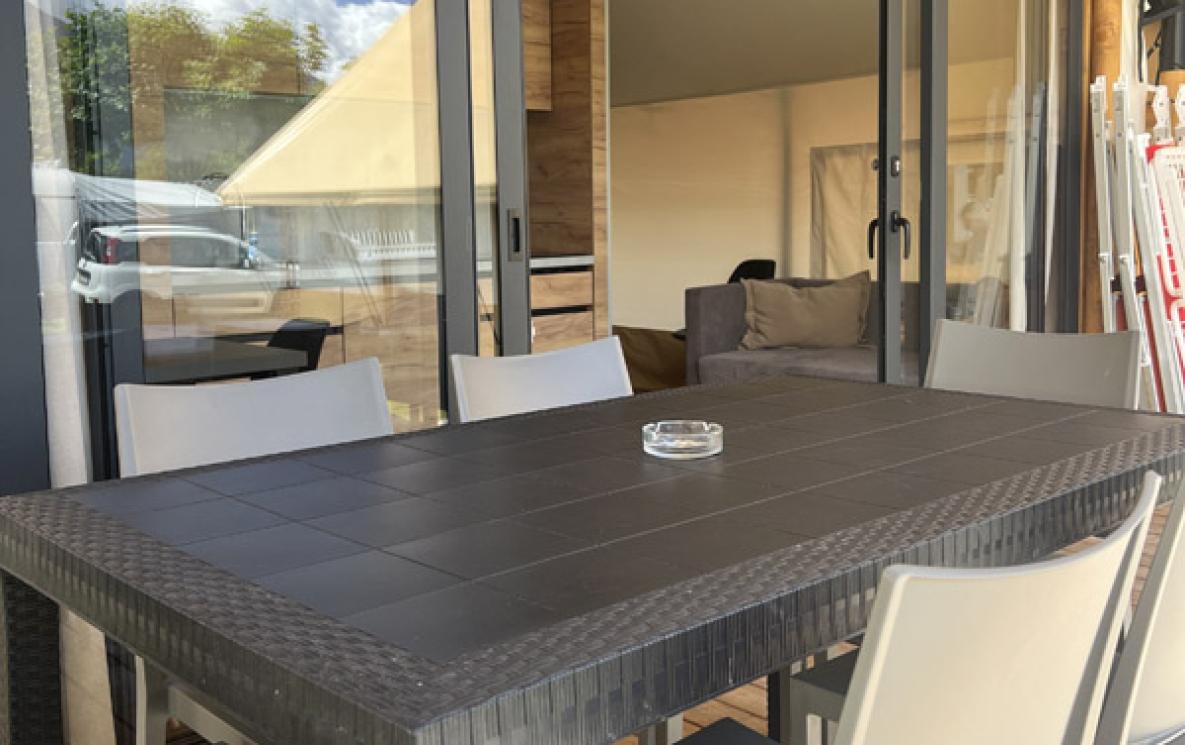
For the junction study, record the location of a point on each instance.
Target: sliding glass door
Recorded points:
(970, 95)
(229, 191)
(499, 167)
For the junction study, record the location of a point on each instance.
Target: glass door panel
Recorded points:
(485, 176)
(921, 190)
(499, 171)
(894, 232)
(215, 172)
(833, 131)
(998, 232)
(912, 178)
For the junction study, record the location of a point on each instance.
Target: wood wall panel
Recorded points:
(566, 148)
(600, 167)
(219, 314)
(537, 54)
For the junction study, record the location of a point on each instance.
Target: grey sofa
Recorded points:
(715, 319)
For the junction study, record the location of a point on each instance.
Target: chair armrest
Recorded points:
(715, 318)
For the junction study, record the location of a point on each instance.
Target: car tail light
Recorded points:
(111, 251)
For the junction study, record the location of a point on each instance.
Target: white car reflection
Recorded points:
(168, 260)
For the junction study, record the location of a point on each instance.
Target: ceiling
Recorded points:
(661, 50)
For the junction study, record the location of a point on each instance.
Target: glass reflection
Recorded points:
(209, 170)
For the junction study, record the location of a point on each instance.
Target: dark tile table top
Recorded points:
(455, 566)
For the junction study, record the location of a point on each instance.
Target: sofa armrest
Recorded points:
(715, 318)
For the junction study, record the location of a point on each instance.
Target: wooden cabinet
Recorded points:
(562, 305)
(561, 290)
(562, 330)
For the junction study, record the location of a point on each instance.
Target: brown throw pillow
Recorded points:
(779, 315)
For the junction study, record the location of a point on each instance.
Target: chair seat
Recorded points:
(727, 732)
(819, 692)
(833, 676)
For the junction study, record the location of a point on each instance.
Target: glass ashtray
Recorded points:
(683, 439)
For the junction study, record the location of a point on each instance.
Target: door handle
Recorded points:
(872, 226)
(903, 224)
(515, 217)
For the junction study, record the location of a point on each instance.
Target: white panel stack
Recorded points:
(1140, 187)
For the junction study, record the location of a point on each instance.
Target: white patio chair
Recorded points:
(245, 420)
(1090, 369)
(979, 656)
(161, 428)
(1146, 701)
(489, 387)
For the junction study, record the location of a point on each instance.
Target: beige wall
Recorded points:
(698, 185)
(695, 187)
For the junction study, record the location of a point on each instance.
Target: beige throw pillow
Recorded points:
(779, 315)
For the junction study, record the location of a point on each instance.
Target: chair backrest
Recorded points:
(161, 428)
(1091, 369)
(489, 387)
(1146, 702)
(1002, 655)
(754, 269)
(303, 335)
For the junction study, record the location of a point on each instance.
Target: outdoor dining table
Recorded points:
(539, 579)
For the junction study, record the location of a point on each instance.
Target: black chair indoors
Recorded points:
(754, 269)
(302, 335)
(747, 269)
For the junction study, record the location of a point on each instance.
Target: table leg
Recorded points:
(773, 705)
(779, 730)
(30, 683)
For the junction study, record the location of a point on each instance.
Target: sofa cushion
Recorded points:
(842, 363)
(782, 315)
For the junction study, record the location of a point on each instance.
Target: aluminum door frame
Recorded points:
(894, 225)
(510, 118)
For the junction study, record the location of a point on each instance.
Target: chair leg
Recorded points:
(152, 704)
(663, 733)
(794, 717)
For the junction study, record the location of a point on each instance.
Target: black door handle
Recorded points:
(872, 226)
(515, 217)
(903, 224)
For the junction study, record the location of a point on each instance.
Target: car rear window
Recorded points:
(95, 248)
